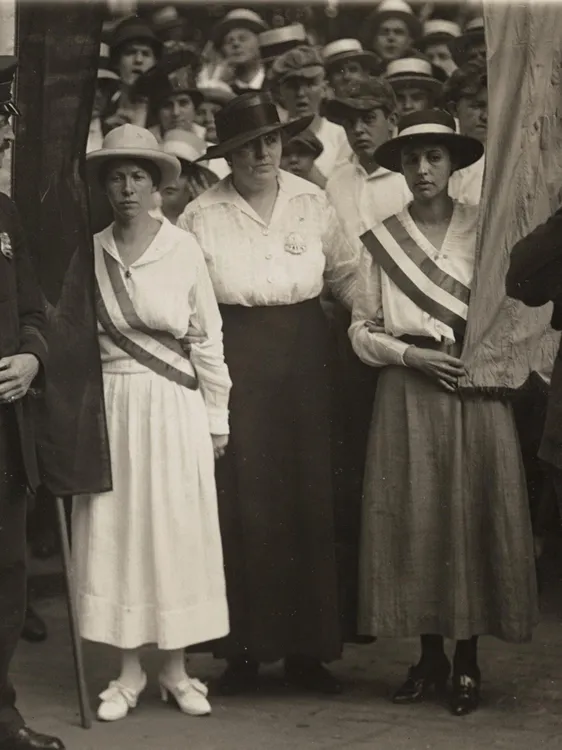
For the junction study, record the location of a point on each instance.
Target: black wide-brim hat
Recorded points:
(247, 117)
(429, 126)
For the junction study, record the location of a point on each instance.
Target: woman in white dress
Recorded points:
(446, 547)
(148, 556)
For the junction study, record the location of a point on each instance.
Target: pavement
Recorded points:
(521, 707)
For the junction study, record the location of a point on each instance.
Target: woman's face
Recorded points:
(135, 59)
(129, 189)
(440, 55)
(257, 163)
(177, 111)
(427, 168)
(206, 118)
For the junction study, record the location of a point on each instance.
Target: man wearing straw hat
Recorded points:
(471, 45)
(435, 43)
(392, 29)
(23, 353)
(275, 42)
(417, 83)
(236, 37)
(346, 61)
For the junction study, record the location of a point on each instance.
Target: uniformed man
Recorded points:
(23, 352)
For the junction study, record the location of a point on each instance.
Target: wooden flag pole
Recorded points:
(83, 694)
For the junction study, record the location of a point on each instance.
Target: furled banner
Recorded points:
(506, 341)
(58, 47)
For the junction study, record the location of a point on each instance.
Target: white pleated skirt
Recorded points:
(148, 556)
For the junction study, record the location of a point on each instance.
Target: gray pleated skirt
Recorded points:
(446, 542)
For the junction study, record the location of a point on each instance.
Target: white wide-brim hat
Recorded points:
(132, 142)
(184, 145)
(429, 125)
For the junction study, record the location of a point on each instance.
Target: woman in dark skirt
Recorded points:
(271, 242)
(446, 548)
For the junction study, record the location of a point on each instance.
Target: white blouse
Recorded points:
(171, 291)
(252, 263)
(378, 300)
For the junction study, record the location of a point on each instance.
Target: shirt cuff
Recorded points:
(218, 420)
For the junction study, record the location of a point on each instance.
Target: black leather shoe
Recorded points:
(465, 697)
(34, 629)
(240, 676)
(311, 674)
(420, 682)
(26, 739)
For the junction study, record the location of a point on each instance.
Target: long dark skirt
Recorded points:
(446, 535)
(354, 392)
(274, 486)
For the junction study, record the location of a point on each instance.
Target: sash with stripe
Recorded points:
(157, 350)
(429, 287)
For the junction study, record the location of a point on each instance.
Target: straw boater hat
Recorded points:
(472, 33)
(360, 96)
(438, 31)
(215, 90)
(393, 9)
(184, 145)
(415, 71)
(342, 50)
(275, 42)
(240, 18)
(133, 29)
(132, 142)
(247, 117)
(429, 125)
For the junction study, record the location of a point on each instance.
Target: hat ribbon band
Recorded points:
(427, 128)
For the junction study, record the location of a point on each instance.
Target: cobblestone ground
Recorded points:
(522, 699)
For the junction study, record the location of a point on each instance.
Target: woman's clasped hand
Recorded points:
(443, 368)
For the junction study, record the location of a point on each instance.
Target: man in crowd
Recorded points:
(466, 97)
(300, 80)
(471, 45)
(438, 33)
(236, 37)
(23, 353)
(346, 61)
(134, 49)
(392, 30)
(416, 82)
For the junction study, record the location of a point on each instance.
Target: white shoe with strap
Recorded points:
(190, 695)
(118, 699)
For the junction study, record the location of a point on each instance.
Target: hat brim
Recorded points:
(292, 128)
(167, 164)
(439, 37)
(338, 110)
(464, 150)
(431, 85)
(151, 41)
(412, 22)
(368, 59)
(223, 27)
(460, 45)
(216, 95)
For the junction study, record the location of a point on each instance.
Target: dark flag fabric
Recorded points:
(58, 48)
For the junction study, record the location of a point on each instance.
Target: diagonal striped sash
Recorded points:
(157, 350)
(429, 287)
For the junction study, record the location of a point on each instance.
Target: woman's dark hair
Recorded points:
(146, 164)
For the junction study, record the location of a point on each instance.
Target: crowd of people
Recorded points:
(285, 243)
